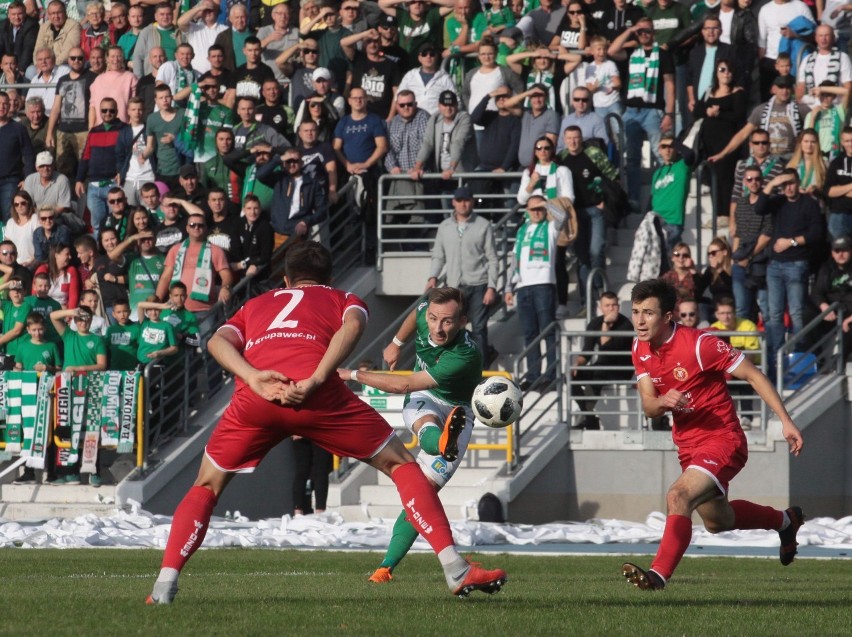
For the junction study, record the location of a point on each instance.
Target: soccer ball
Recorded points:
(497, 402)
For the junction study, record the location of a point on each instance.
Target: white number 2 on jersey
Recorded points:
(280, 321)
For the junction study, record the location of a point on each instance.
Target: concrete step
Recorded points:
(464, 477)
(49, 494)
(34, 511)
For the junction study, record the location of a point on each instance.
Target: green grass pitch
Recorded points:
(237, 592)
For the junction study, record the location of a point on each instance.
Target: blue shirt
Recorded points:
(359, 137)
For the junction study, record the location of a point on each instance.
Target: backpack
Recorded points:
(490, 509)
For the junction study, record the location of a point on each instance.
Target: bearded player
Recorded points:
(284, 348)
(682, 370)
(437, 401)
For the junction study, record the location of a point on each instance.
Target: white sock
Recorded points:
(454, 565)
(786, 522)
(168, 575)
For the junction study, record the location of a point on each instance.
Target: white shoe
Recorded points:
(745, 423)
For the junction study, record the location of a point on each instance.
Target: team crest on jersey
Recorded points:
(680, 374)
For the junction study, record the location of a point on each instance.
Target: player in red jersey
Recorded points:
(284, 348)
(682, 370)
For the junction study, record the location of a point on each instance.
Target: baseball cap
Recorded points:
(387, 21)
(44, 158)
(321, 73)
(448, 98)
(463, 193)
(842, 243)
(427, 46)
(784, 81)
(188, 171)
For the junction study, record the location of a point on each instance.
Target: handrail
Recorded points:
(824, 355)
(621, 145)
(594, 274)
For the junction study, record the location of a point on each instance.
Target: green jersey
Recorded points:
(210, 120)
(152, 338)
(29, 354)
(456, 367)
(82, 349)
(669, 189)
(184, 323)
(143, 274)
(44, 307)
(12, 315)
(122, 344)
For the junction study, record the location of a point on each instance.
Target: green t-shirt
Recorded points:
(127, 43)
(167, 41)
(239, 41)
(13, 315)
(82, 349)
(44, 307)
(30, 353)
(122, 344)
(168, 161)
(143, 274)
(412, 34)
(210, 120)
(152, 338)
(456, 367)
(669, 189)
(183, 323)
(667, 22)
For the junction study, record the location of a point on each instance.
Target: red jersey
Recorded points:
(693, 362)
(289, 329)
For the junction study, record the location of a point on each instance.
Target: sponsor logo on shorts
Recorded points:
(440, 466)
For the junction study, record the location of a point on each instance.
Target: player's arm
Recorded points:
(403, 334)
(748, 372)
(655, 405)
(391, 383)
(226, 348)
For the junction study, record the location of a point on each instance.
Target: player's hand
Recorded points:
(793, 437)
(391, 355)
(673, 399)
(298, 393)
(268, 384)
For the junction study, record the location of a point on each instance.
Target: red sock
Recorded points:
(749, 515)
(189, 526)
(676, 537)
(422, 506)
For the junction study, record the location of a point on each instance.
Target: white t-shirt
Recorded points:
(202, 37)
(772, 18)
(22, 236)
(482, 84)
(726, 18)
(537, 271)
(606, 95)
(136, 171)
(821, 71)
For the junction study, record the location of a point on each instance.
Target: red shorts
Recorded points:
(334, 418)
(721, 456)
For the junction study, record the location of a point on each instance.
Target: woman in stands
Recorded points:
(65, 284)
(723, 109)
(808, 162)
(682, 275)
(715, 279)
(21, 226)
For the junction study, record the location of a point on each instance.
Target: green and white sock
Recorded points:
(430, 436)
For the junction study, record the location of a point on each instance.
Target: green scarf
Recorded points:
(202, 282)
(189, 133)
(538, 242)
(644, 74)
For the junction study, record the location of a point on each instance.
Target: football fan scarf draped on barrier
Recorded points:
(96, 409)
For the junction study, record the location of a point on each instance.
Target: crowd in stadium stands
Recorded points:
(145, 146)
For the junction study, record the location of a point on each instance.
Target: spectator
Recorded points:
(796, 225)
(248, 133)
(127, 41)
(201, 27)
(299, 202)
(48, 73)
(688, 313)
(542, 24)
(827, 119)
(183, 322)
(318, 158)
(108, 276)
(172, 229)
(36, 124)
(122, 338)
(116, 82)
(533, 288)
(748, 270)
(10, 74)
(405, 135)
(591, 371)
(64, 280)
(428, 80)
(84, 352)
(42, 303)
(320, 110)
(501, 132)
(232, 39)
(135, 170)
(21, 225)
(702, 69)
(769, 165)
(68, 125)
(388, 40)
(489, 76)
(14, 323)
(163, 128)
(360, 142)
(117, 217)
(277, 37)
(117, 19)
(213, 116)
(160, 34)
(216, 57)
(716, 277)
(189, 188)
(86, 248)
(591, 125)
(650, 102)
(149, 196)
(838, 188)
(273, 112)
(59, 33)
(826, 63)
(10, 267)
(419, 22)
(669, 190)
(91, 299)
(448, 146)
(462, 33)
(682, 274)
(834, 285)
(808, 162)
(256, 240)
(220, 171)
(156, 337)
(18, 34)
(469, 262)
(179, 74)
(97, 61)
(223, 226)
(543, 176)
(46, 186)
(97, 33)
(248, 78)
(147, 84)
(16, 148)
(197, 264)
(35, 354)
(49, 234)
(603, 79)
(378, 76)
(98, 170)
(301, 71)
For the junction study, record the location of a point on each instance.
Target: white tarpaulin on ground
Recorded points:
(135, 528)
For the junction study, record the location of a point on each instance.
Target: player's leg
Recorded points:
(436, 426)
(189, 526)
(424, 509)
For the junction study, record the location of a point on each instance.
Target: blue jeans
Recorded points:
(536, 310)
(640, 123)
(673, 234)
(745, 296)
(8, 188)
(477, 314)
(96, 200)
(787, 285)
(840, 224)
(590, 246)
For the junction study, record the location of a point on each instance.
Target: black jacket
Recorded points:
(23, 45)
(833, 283)
(696, 61)
(313, 205)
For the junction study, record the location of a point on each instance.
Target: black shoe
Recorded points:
(644, 580)
(788, 536)
(589, 422)
(27, 477)
(525, 385)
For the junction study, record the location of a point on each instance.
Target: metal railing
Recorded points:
(596, 273)
(699, 180)
(804, 356)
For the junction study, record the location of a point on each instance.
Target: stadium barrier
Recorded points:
(816, 349)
